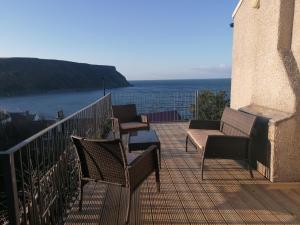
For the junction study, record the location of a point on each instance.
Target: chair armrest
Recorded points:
(143, 166)
(205, 124)
(235, 147)
(115, 127)
(143, 119)
(115, 121)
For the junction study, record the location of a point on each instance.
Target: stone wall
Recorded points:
(296, 33)
(265, 72)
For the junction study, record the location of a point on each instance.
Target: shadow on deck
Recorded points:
(227, 195)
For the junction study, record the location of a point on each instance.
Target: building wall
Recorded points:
(296, 33)
(265, 72)
(258, 71)
(244, 57)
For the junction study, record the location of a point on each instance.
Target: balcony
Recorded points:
(42, 179)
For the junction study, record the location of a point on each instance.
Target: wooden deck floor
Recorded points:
(227, 195)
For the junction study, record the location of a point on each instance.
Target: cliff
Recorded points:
(32, 75)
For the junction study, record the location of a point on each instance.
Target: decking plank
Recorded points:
(267, 205)
(109, 215)
(122, 206)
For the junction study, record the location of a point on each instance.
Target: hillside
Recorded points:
(32, 75)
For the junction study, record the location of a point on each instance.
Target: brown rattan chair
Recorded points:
(106, 161)
(229, 138)
(125, 119)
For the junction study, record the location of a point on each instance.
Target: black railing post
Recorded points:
(7, 163)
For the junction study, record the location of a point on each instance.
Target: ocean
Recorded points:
(155, 93)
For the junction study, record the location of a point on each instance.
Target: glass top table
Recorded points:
(142, 139)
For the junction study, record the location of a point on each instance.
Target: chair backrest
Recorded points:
(102, 159)
(237, 123)
(125, 113)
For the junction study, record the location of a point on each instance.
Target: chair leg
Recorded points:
(81, 196)
(249, 161)
(250, 169)
(128, 208)
(159, 151)
(186, 143)
(158, 186)
(202, 166)
(157, 178)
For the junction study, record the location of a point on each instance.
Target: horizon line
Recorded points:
(214, 78)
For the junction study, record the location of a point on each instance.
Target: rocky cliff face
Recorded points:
(32, 75)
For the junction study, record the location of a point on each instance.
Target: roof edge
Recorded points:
(237, 8)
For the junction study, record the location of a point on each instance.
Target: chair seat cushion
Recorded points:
(199, 136)
(133, 125)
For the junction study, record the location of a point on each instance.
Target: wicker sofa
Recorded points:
(229, 138)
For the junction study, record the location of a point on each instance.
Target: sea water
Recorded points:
(151, 94)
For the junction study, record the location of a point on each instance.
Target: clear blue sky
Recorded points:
(144, 39)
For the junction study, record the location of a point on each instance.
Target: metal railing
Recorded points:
(166, 106)
(40, 176)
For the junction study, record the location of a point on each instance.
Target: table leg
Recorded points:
(159, 150)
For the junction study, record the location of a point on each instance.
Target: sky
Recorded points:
(144, 39)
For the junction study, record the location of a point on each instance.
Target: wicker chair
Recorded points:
(125, 119)
(106, 161)
(229, 138)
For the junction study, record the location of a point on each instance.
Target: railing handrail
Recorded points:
(40, 133)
